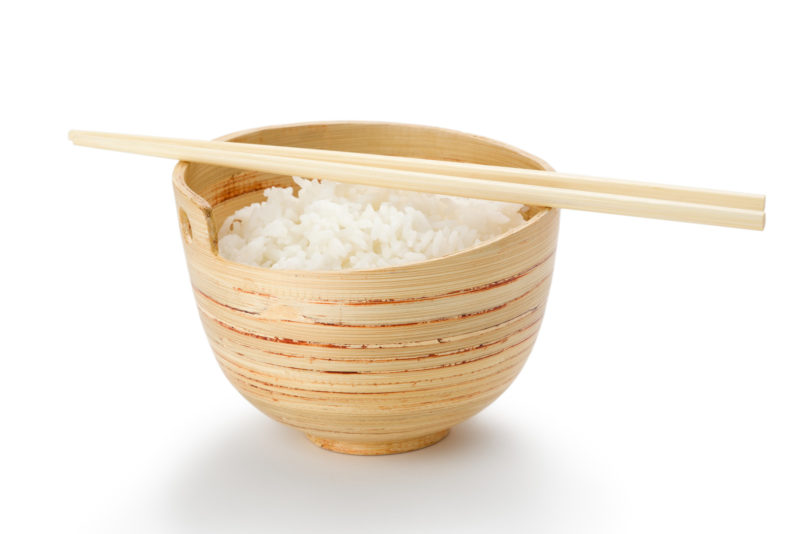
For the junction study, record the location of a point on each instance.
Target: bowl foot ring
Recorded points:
(371, 448)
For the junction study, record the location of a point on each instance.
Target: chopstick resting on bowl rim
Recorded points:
(491, 182)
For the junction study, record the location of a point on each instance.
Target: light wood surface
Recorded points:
(376, 361)
(724, 209)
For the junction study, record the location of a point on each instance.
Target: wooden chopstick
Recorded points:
(231, 155)
(472, 170)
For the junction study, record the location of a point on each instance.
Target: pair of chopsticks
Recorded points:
(491, 182)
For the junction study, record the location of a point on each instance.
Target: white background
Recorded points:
(662, 395)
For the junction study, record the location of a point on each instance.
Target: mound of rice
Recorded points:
(333, 226)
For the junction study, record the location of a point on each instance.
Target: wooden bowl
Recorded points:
(372, 361)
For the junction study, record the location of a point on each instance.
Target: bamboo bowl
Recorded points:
(374, 361)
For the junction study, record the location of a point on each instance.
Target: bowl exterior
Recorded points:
(377, 361)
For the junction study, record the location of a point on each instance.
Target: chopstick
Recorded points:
(471, 170)
(707, 207)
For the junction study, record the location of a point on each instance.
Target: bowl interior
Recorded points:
(227, 190)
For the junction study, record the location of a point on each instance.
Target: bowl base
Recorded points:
(372, 448)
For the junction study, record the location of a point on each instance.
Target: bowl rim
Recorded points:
(179, 181)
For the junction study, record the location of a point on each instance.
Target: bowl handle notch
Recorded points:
(197, 227)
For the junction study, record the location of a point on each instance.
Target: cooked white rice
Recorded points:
(333, 226)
